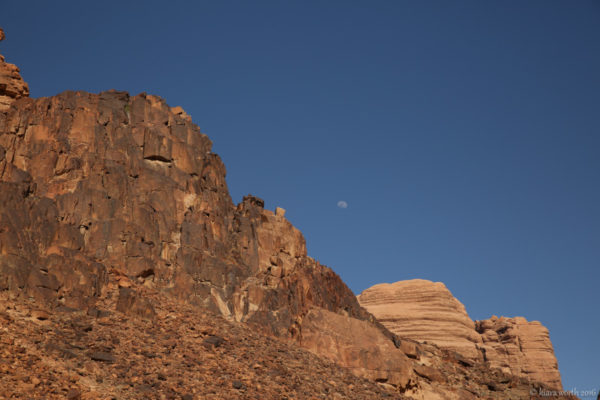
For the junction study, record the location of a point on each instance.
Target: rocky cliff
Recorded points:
(426, 311)
(520, 348)
(111, 202)
(129, 185)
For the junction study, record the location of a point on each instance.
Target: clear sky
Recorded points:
(463, 137)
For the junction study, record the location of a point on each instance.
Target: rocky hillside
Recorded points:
(100, 354)
(427, 312)
(111, 203)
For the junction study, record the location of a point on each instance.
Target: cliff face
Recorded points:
(134, 188)
(106, 187)
(426, 311)
(112, 200)
(519, 347)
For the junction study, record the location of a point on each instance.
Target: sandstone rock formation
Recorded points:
(521, 348)
(12, 86)
(111, 202)
(423, 311)
(427, 312)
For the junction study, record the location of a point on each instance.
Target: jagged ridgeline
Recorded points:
(110, 203)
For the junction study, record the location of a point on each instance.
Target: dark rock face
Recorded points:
(130, 185)
(130, 302)
(28, 229)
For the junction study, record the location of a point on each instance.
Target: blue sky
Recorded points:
(463, 136)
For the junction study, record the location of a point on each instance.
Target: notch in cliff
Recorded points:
(12, 86)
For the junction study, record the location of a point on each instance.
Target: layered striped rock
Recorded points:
(521, 348)
(424, 311)
(427, 312)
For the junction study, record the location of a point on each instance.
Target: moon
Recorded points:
(342, 204)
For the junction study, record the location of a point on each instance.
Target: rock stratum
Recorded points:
(423, 311)
(426, 311)
(521, 348)
(126, 271)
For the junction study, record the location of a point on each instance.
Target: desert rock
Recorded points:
(424, 311)
(427, 312)
(358, 346)
(108, 185)
(521, 348)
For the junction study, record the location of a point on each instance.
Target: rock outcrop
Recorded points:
(521, 348)
(12, 86)
(361, 347)
(133, 187)
(426, 311)
(423, 311)
(99, 184)
(111, 202)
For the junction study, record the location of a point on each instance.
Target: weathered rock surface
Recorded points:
(133, 187)
(521, 348)
(426, 311)
(12, 86)
(357, 345)
(423, 311)
(29, 261)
